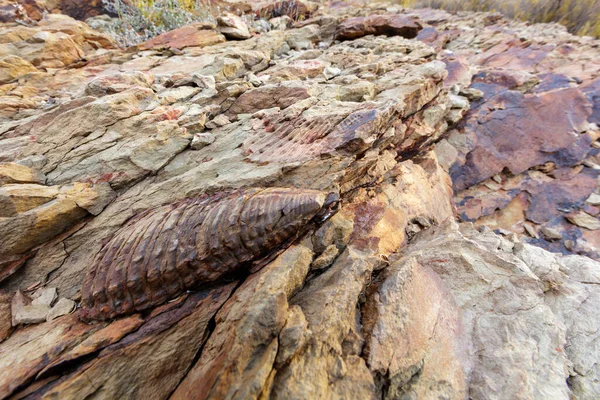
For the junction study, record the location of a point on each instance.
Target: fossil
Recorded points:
(165, 251)
(303, 139)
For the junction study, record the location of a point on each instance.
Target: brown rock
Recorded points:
(390, 25)
(15, 199)
(35, 347)
(5, 316)
(426, 354)
(189, 36)
(326, 258)
(16, 173)
(98, 340)
(38, 213)
(82, 10)
(498, 147)
(280, 95)
(483, 273)
(400, 306)
(22, 10)
(118, 82)
(241, 351)
(163, 349)
(233, 27)
(13, 67)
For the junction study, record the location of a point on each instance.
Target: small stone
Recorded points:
(454, 116)
(201, 140)
(594, 199)
(23, 312)
(281, 23)
(204, 81)
(326, 258)
(550, 233)
(47, 297)
(412, 229)
(531, 231)
(194, 123)
(584, 220)
(260, 26)
(471, 93)
(253, 79)
(331, 72)
(484, 229)
(492, 185)
(591, 164)
(424, 222)
(62, 307)
(458, 102)
(218, 121)
(233, 27)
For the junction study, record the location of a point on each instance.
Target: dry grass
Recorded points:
(140, 20)
(579, 16)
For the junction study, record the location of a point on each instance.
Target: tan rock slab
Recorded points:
(13, 67)
(46, 296)
(17, 173)
(62, 307)
(584, 220)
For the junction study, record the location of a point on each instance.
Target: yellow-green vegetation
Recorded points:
(140, 20)
(579, 16)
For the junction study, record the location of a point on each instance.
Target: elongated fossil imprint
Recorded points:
(165, 251)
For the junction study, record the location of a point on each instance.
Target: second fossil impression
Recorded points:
(167, 250)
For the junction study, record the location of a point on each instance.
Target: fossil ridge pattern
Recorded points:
(306, 138)
(167, 250)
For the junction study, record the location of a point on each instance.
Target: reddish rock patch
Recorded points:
(189, 36)
(389, 25)
(516, 132)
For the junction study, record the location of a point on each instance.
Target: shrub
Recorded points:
(140, 20)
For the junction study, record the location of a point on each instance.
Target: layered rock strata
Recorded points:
(226, 152)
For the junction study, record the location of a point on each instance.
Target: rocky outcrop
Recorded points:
(525, 157)
(495, 308)
(34, 10)
(275, 216)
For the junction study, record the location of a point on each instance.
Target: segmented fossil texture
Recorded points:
(167, 250)
(292, 8)
(303, 139)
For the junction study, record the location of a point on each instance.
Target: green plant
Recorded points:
(140, 20)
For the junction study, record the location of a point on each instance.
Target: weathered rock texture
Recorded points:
(192, 181)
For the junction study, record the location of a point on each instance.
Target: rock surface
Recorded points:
(382, 127)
